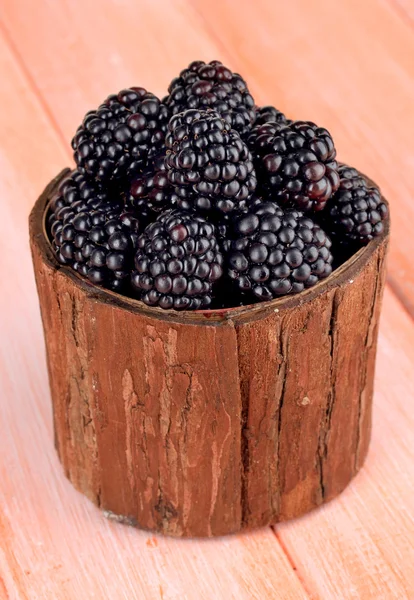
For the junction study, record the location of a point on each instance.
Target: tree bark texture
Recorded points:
(203, 424)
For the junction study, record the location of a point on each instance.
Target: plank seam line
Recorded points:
(225, 51)
(405, 303)
(292, 563)
(400, 12)
(21, 64)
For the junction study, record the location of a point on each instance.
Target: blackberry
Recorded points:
(213, 86)
(151, 191)
(357, 214)
(208, 164)
(224, 222)
(122, 135)
(350, 178)
(276, 252)
(76, 192)
(74, 188)
(97, 239)
(270, 114)
(295, 163)
(177, 262)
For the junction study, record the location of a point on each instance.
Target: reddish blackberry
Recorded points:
(208, 164)
(97, 239)
(295, 163)
(350, 178)
(270, 114)
(214, 86)
(277, 252)
(177, 262)
(151, 191)
(122, 135)
(357, 214)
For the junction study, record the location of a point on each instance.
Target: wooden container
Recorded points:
(207, 423)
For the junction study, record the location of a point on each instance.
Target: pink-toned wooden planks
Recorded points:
(366, 538)
(359, 73)
(92, 50)
(332, 62)
(405, 8)
(53, 542)
(346, 65)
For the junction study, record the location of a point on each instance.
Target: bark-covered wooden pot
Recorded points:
(207, 423)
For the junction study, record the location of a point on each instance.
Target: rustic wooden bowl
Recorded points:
(208, 423)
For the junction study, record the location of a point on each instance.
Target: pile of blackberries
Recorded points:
(204, 199)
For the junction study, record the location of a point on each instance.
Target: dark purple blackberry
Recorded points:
(79, 191)
(222, 233)
(213, 86)
(74, 188)
(209, 165)
(122, 135)
(97, 239)
(357, 214)
(295, 163)
(350, 178)
(152, 191)
(270, 114)
(277, 252)
(177, 262)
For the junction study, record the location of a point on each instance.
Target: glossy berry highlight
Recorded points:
(97, 238)
(178, 261)
(295, 163)
(122, 136)
(213, 86)
(208, 164)
(276, 252)
(357, 213)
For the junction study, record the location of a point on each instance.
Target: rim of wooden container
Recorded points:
(345, 274)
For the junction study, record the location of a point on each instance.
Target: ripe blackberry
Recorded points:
(350, 178)
(270, 114)
(177, 262)
(213, 86)
(151, 191)
(357, 214)
(97, 239)
(295, 163)
(74, 188)
(208, 164)
(122, 135)
(277, 252)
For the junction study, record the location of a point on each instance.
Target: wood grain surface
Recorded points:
(347, 65)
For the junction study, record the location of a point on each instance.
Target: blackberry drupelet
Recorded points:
(98, 239)
(270, 114)
(122, 135)
(213, 86)
(224, 222)
(277, 252)
(74, 188)
(76, 192)
(151, 191)
(350, 178)
(295, 163)
(357, 214)
(208, 164)
(177, 262)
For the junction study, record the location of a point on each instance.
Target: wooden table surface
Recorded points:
(349, 66)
